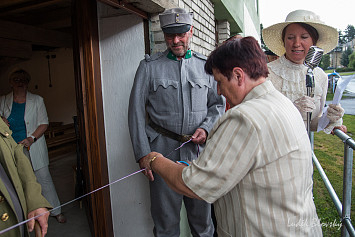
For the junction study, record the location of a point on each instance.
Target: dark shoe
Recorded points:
(61, 218)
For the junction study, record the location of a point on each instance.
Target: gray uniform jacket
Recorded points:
(178, 96)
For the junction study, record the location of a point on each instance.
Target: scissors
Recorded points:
(184, 162)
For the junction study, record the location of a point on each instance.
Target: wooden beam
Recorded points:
(34, 35)
(61, 23)
(25, 6)
(126, 6)
(15, 49)
(57, 18)
(90, 113)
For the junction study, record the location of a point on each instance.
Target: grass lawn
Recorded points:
(329, 150)
(340, 73)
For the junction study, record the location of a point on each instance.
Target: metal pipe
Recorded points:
(328, 185)
(345, 138)
(349, 227)
(347, 184)
(345, 208)
(311, 139)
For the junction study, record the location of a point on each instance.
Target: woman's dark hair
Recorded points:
(244, 53)
(310, 29)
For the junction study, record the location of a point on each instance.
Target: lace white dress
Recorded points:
(290, 79)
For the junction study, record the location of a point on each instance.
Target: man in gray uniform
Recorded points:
(173, 100)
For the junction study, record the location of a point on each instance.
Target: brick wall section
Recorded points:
(223, 29)
(204, 39)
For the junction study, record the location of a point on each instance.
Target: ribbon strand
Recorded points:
(179, 147)
(98, 189)
(25, 221)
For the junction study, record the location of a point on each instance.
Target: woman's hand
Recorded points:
(342, 128)
(145, 163)
(27, 142)
(335, 112)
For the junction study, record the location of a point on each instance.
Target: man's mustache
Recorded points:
(180, 44)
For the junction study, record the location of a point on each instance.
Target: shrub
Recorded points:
(352, 60)
(345, 69)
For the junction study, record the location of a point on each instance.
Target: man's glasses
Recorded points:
(172, 36)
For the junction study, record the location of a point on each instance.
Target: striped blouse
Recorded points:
(257, 169)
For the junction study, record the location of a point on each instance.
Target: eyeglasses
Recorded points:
(20, 80)
(172, 36)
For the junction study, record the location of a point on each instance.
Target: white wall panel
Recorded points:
(121, 49)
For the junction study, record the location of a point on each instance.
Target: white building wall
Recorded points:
(121, 49)
(249, 26)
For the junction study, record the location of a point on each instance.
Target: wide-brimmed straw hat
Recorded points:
(328, 36)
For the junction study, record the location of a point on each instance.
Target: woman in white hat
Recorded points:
(291, 40)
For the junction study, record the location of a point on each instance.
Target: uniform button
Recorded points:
(4, 217)
(1, 199)
(7, 134)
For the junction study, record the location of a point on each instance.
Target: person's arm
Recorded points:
(36, 204)
(2, 109)
(335, 113)
(38, 120)
(137, 112)
(5, 120)
(169, 171)
(321, 84)
(42, 119)
(214, 170)
(41, 129)
(31, 188)
(216, 105)
(28, 141)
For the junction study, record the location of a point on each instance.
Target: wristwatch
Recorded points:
(34, 138)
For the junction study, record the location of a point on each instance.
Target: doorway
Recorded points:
(37, 36)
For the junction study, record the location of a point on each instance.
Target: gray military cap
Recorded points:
(175, 20)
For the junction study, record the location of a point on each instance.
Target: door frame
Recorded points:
(90, 109)
(90, 115)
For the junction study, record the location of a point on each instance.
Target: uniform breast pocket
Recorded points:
(199, 92)
(165, 95)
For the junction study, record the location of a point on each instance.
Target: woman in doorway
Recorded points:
(26, 115)
(291, 40)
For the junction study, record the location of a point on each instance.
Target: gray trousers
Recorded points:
(44, 178)
(165, 210)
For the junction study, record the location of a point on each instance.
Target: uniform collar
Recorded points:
(173, 57)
